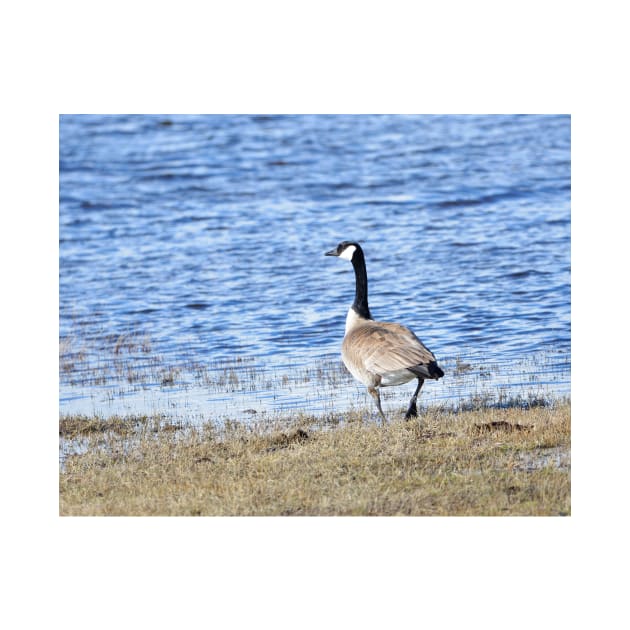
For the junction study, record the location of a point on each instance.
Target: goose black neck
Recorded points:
(360, 304)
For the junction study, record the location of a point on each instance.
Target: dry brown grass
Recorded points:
(489, 462)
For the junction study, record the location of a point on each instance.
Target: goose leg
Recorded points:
(412, 412)
(377, 398)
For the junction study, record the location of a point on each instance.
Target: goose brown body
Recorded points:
(381, 354)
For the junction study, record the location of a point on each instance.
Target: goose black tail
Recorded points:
(427, 370)
(435, 370)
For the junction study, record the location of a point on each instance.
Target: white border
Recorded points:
(488, 57)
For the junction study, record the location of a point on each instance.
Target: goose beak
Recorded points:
(332, 252)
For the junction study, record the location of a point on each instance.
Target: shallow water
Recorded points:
(193, 280)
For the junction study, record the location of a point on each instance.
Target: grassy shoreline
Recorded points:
(485, 462)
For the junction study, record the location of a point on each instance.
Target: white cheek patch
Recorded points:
(348, 252)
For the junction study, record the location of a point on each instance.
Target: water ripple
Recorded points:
(207, 233)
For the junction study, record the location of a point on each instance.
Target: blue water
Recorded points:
(206, 236)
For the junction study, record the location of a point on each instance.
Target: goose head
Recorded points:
(345, 249)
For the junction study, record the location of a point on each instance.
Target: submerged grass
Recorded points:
(476, 462)
(110, 373)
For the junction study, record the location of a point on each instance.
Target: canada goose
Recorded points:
(380, 354)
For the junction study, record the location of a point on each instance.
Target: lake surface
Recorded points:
(193, 279)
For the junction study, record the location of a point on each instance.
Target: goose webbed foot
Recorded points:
(412, 412)
(377, 399)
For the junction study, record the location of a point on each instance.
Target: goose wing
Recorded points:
(387, 347)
